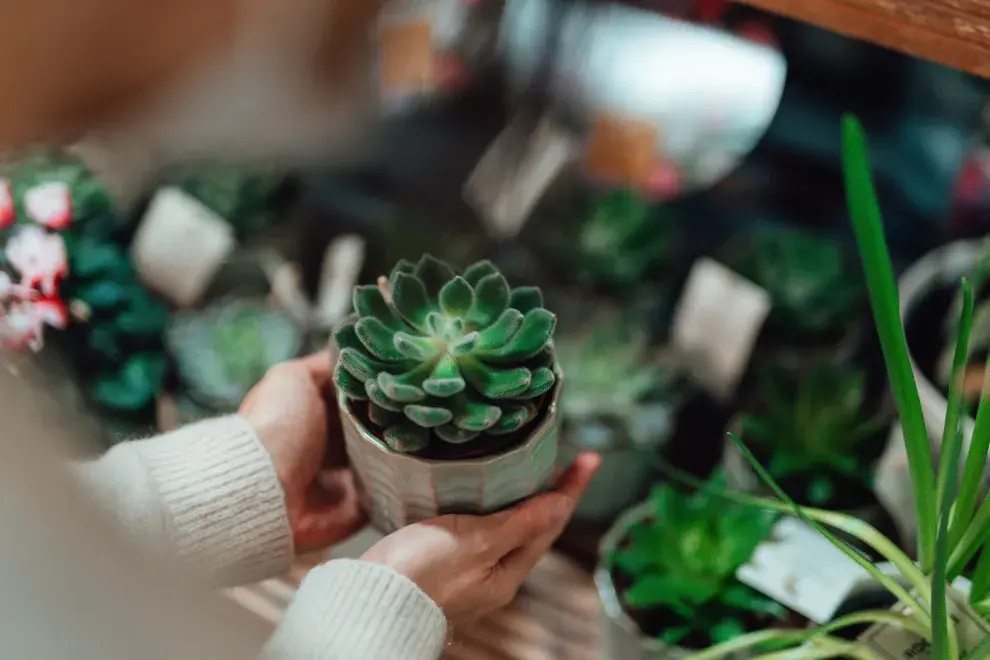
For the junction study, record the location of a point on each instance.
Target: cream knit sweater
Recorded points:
(70, 588)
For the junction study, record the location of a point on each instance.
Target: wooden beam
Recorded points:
(955, 33)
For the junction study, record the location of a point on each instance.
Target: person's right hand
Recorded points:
(471, 565)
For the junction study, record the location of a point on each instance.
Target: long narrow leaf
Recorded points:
(977, 533)
(976, 462)
(981, 652)
(944, 642)
(889, 584)
(823, 647)
(981, 577)
(867, 225)
(851, 525)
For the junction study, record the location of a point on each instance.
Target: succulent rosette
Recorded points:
(435, 355)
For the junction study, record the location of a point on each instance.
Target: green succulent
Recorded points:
(620, 239)
(812, 284)
(446, 355)
(682, 560)
(222, 352)
(814, 428)
(614, 380)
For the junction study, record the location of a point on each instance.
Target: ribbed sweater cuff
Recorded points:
(224, 506)
(348, 608)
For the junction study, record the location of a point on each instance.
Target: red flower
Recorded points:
(7, 210)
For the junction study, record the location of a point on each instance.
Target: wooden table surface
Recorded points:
(951, 32)
(555, 616)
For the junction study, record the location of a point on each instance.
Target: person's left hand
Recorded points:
(293, 412)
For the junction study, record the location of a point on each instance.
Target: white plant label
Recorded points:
(716, 325)
(799, 568)
(341, 270)
(893, 487)
(892, 643)
(180, 245)
(506, 184)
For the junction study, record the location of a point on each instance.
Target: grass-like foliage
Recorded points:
(446, 355)
(953, 518)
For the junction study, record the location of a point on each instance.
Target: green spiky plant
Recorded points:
(812, 427)
(953, 515)
(446, 356)
(680, 562)
(808, 278)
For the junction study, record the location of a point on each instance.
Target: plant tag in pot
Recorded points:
(515, 171)
(716, 324)
(898, 643)
(893, 487)
(799, 568)
(180, 245)
(341, 270)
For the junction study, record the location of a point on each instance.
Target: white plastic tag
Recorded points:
(716, 325)
(341, 270)
(893, 643)
(893, 486)
(799, 568)
(180, 245)
(512, 175)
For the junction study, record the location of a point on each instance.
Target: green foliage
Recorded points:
(225, 350)
(812, 426)
(614, 380)
(620, 239)
(89, 197)
(242, 196)
(446, 355)
(682, 560)
(812, 285)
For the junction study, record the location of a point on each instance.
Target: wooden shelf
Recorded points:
(955, 33)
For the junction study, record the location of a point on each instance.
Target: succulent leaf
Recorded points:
(499, 333)
(369, 301)
(349, 384)
(478, 270)
(495, 383)
(456, 297)
(491, 297)
(410, 299)
(378, 340)
(444, 355)
(406, 438)
(434, 274)
(529, 340)
(427, 416)
(419, 349)
(453, 435)
(526, 298)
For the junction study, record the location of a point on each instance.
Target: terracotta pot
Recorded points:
(400, 489)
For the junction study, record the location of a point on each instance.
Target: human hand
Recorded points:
(294, 413)
(471, 565)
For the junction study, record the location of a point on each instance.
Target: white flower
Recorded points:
(50, 204)
(39, 257)
(21, 327)
(7, 211)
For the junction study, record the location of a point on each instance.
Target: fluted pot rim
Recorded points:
(550, 414)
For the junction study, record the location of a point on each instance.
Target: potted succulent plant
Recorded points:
(621, 401)
(819, 431)
(448, 391)
(816, 292)
(667, 576)
(933, 615)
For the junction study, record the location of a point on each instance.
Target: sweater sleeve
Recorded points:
(347, 609)
(207, 493)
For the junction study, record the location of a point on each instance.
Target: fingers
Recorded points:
(333, 512)
(572, 486)
(318, 367)
(543, 514)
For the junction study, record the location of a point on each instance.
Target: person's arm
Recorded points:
(207, 493)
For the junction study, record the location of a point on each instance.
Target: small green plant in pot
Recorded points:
(448, 387)
(621, 400)
(667, 577)
(817, 292)
(817, 431)
(932, 614)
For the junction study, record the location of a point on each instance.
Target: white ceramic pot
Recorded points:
(400, 489)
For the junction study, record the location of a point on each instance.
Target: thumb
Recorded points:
(512, 529)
